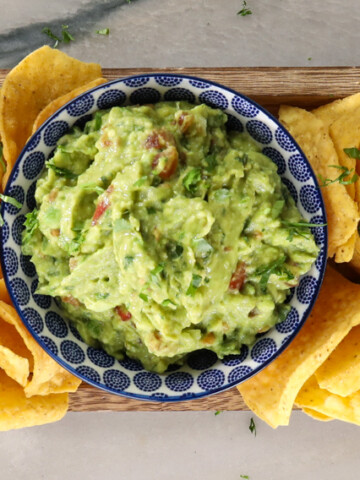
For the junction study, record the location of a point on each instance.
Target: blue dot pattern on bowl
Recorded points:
(88, 372)
(290, 322)
(10, 260)
(34, 319)
(306, 288)
(245, 108)
(116, 380)
(179, 381)
(284, 141)
(263, 350)
(179, 94)
(33, 165)
(54, 131)
(202, 373)
(56, 325)
(111, 98)
(214, 99)
(310, 198)
(259, 131)
(277, 158)
(297, 167)
(168, 81)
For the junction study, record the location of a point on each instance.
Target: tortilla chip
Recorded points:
(4, 294)
(326, 403)
(332, 111)
(16, 367)
(45, 369)
(340, 373)
(54, 106)
(272, 392)
(18, 411)
(346, 251)
(342, 212)
(40, 78)
(316, 415)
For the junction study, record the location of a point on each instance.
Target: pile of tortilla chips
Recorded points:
(320, 370)
(33, 387)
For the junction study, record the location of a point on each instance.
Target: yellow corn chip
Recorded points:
(61, 101)
(40, 78)
(272, 392)
(326, 403)
(15, 366)
(340, 373)
(45, 368)
(345, 252)
(316, 415)
(4, 294)
(18, 411)
(332, 111)
(342, 211)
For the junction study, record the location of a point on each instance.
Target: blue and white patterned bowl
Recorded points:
(203, 373)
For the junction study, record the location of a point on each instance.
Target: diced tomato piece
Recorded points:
(102, 206)
(123, 313)
(238, 277)
(153, 141)
(171, 164)
(72, 300)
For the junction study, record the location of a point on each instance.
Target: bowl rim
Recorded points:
(192, 396)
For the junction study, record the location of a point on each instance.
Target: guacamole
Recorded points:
(161, 233)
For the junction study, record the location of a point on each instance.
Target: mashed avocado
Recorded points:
(162, 234)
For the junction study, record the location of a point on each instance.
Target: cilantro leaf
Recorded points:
(267, 270)
(252, 426)
(31, 224)
(352, 152)
(341, 178)
(244, 11)
(67, 37)
(167, 302)
(192, 180)
(211, 163)
(140, 181)
(103, 31)
(93, 187)
(11, 200)
(217, 412)
(51, 35)
(143, 297)
(194, 285)
(61, 172)
(174, 250)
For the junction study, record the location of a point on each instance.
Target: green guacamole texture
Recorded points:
(161, 234)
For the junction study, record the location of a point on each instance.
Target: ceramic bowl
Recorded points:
(203, 374)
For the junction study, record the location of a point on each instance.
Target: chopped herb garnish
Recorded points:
(341, 178)
(252, 426)
(31, 223)
(244, 158)
(2, 162)
(194, 285)
(352, 152)
(128, 260)
(192, 179)
(203, 249)
(11, 200)
(103, 31)
(217, 412)
(140, 182)
(67, 37)
(51, 35)
(211, 163)
(267, 270)
(309, 59)
(143, 297)
(244, 11)
(300, 228)
(101, 296)
(61, 172)
(93, 187)
(167, 302)
(174, 250)
(156, 271)
(151, 210)
(98, 120)
(245, 476)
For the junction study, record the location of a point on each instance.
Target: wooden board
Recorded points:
(307, 87)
